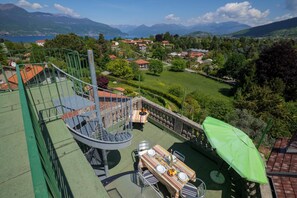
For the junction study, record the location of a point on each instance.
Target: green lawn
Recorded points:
(191, 82)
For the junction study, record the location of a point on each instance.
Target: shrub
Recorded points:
(128, 91)
(176, 90)
(169, 97)
(102, 82)
(178, 65)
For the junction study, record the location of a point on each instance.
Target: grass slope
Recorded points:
(191, 82)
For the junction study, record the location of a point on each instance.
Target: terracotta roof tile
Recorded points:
(141, 62)
(27, 73)
(119, 89)
(112, 57)
(282, 161)
(40, 41)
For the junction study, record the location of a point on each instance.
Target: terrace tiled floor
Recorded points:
(15, 172)
(121, 160)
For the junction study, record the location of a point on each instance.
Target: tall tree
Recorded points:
(279, 62)
(137, 74)
(68, 41)
(3, 59)
(159, 53)
(120, 68)
(103, 47)
(234, 64)
(178, 65)
(156, 66)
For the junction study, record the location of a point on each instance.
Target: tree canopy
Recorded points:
(279, 63)
(3, 59)
(120, 68)
(178, 65)
(156, 66)
(233, 66)
(68, 41)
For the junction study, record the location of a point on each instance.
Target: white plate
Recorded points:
(161, 169)
(183, 176)
(151, 152)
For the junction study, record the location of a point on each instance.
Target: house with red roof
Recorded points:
(142, 47)
(112, 57)
(194, 53)
(40, 43)
(143, 64)
(27, 73)
(165, 43)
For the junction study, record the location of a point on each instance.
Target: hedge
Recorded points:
(169, 97)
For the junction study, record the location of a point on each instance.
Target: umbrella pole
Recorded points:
(220, 169)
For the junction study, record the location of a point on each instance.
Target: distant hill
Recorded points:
(212, 28)
(125, 28)
(17, 21)
(287, 28)
(219, 28)
(199, 34)
(144, 31)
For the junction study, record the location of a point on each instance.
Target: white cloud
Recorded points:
(285, 16)
(291, 5)
(27, 4)
(65, 10)
(172, 17)
(240, 12)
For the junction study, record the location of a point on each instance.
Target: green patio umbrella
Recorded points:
(235, 148)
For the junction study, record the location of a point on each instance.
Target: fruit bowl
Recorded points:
(171, 172)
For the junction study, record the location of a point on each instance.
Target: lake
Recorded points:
(26, 39)
(32, 39)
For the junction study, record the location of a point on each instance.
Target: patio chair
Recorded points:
(143, 146)
(148, 179)
(179, 155)
(189, 190)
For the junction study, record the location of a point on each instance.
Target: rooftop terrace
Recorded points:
(122, 161)
(61, 163)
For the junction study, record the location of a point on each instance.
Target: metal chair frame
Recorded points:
(143, 146)
(179, 155)
(200, 190)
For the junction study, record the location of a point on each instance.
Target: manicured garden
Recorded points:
(190, 82)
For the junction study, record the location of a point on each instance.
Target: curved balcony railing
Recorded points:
(75, 104)
(60, 94)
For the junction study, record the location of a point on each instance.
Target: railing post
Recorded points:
(37, 172)
(97, 105)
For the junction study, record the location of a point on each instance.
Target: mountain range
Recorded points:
(17, 21)
(212, 28)
(285, 28)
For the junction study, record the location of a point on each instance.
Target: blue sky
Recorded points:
(148, 12)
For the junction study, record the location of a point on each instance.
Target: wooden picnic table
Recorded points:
(173, 183)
